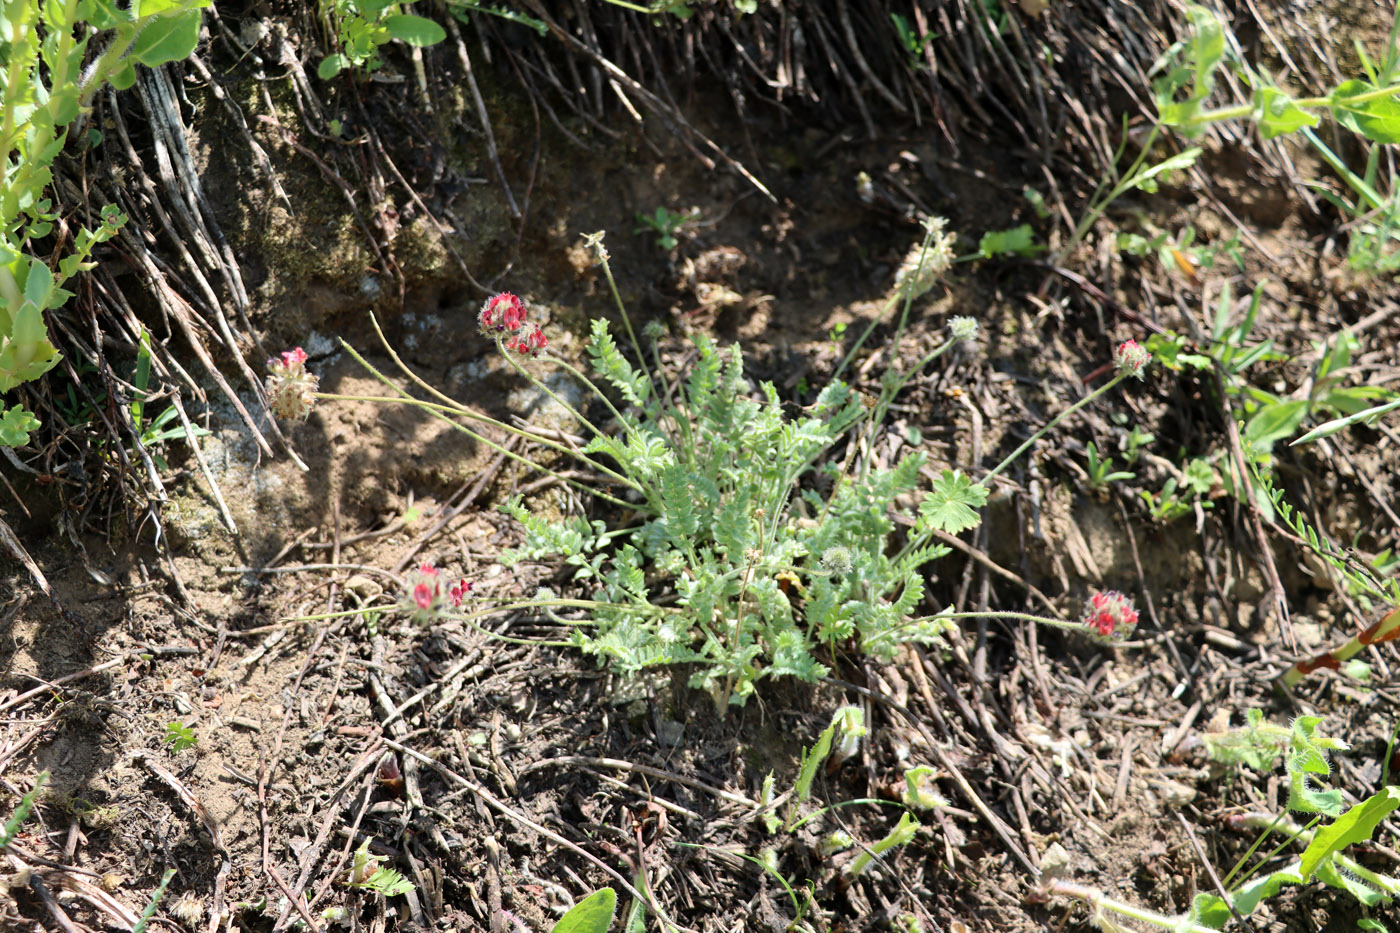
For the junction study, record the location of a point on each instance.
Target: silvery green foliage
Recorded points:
(726, 571)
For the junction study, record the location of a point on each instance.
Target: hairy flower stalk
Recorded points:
(917, 273)
(1128, 361)
(1101, 905)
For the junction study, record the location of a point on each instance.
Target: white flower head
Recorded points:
(925, 261)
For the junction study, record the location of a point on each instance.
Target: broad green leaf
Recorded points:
(593, 914)
(1356, 825)
(1274, 422)
(1018, 241)
(38, 285)
(102, 14)
(124, 77)
(1334, 876)
(1378, 120)
(951, 505)
(167, 39)
(15, 425)
(331, 66)
(1278, 115)
(415, 30)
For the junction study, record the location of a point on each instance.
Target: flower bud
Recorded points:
(1130, 359)
(963, 328)
(836, 560)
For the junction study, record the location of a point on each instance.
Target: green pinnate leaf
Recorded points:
(1189, 65)
(609, 362)
(902, 834)
(1306, 761)
(1018, 241)
(951, 505)
(124, 76)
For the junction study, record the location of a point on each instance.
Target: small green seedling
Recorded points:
(1137, 440)
(1180, 497)
(367, 873)
(180, 737)
(666, 224)
(26, 804)
(150, 911)
(1101, 472)
(913, 43)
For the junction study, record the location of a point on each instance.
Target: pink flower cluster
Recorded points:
(503, 315)
(291, 390)
(426, 597)
(1110, 613)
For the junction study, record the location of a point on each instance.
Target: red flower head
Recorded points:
(529, 341)
(458, 592)
(1110, 613)
(501, 314)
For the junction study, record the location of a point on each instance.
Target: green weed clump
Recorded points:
(754, 539)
